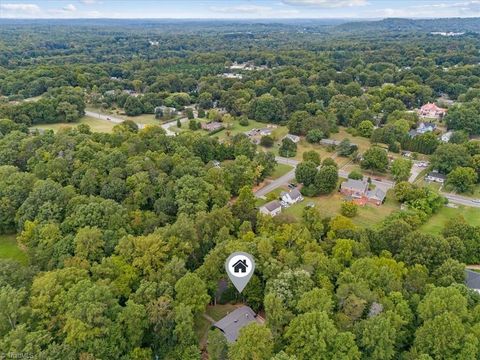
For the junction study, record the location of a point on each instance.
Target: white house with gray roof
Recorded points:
(292, 197)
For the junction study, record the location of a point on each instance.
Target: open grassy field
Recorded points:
(280, 170)
(329, 205)
(236, 128)
(10, 250)
(96, 125)
(437, 222)
(362, 143)
(145, 119)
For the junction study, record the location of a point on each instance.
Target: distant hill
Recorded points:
(407, 25)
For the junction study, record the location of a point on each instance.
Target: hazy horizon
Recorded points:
(238, 9)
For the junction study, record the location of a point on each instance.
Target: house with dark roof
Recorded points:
(435, 176)
(358, 190)
(376, 196)
(271, 208)
(354, 188)
(472, 280)
(292, 197)
(231, 324)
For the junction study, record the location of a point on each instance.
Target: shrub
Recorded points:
(349, 209)
(266, 141)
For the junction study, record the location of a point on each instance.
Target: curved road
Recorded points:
(116, 120)
(288, 177)
(384, 184)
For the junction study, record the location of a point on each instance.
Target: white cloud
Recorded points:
(242, 9)
(327, 3)
(88, 2)
(20, 8)
(439, 10)
(70, 8)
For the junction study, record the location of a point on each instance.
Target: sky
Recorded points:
(238, 9)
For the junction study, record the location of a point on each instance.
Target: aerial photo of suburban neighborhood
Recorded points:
(239, 180)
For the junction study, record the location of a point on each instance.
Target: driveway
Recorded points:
(109, 118)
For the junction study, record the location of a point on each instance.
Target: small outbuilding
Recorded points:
(271, 208)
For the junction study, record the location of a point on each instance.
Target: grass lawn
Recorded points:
(10, 250)
(329, 205)
(236, 128)
(437, 222)
(96, 125)
(362, 143)
(280, 170)
(219, 311)
(146, 119)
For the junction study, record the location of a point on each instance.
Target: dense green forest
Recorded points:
(126, 233)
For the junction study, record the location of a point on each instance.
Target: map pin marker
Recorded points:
(240, 267)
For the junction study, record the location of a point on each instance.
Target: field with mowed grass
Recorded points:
(437, 222)
(10, 250)
(329, 206)
(280, 170)
(96, 125)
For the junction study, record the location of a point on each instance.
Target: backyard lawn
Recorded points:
(10, 250)
(280, 170)
(96, 125)
(362, 143)
(329, 205)
(437, 222)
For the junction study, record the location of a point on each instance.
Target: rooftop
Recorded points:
(357, 185)
(272, 205)
(231, 324)
(472, 279)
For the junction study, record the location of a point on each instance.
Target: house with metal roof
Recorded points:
(472, 280)
(271, 208)
(376, 196)
(231, 324)
(435, 176)
(354, 188)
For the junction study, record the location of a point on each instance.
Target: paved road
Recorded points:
(288, 177)
(385, 185)
(109, 118)
(169, 124)
(461, 200)
(117, 120)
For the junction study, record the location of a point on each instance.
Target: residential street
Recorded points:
(116, 120)
(385, 185)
